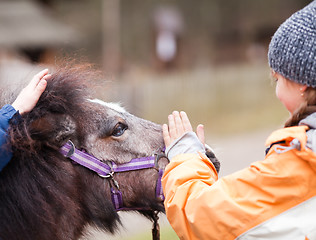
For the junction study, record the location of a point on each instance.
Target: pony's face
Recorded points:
(111, 133)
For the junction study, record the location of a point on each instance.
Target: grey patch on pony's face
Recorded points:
(137, 137)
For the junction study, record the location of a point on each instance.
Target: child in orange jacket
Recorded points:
(271, 199)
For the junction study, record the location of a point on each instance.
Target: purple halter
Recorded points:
(108, 168)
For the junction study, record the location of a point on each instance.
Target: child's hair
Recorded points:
(307, 108)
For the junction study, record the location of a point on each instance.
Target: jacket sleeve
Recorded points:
(6, 113)
(199, 206)
(186, 179)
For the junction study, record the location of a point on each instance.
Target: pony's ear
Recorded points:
(53, 128)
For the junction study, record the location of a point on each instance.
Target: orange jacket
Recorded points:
(271, 199)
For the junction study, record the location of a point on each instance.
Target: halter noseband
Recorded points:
(108, 168)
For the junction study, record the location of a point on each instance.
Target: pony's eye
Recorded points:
(119, 129)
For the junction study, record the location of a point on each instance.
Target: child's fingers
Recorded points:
(47, 76)
(178, 123)
(165, 134)
(41, 74)
(37, 77)
(200, 133)
(40, 88)
(187, 127)
(172, 126)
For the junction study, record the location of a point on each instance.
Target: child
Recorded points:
(24, 102)
(271, 199)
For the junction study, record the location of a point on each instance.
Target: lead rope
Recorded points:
(156, 228)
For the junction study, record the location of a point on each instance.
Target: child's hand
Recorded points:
(29, 95)
(179, 124)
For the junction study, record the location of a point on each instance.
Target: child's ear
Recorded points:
(303, 88)
(53, 128)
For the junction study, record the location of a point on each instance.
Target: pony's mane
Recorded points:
(67, 88)
(44, 184)
(66, 91)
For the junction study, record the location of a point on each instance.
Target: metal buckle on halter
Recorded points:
(158, 156)
(71, 150)
(116, 195)
(110, 174)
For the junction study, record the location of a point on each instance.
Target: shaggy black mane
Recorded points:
(41, 193)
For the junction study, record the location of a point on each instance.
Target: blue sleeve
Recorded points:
(6, 113)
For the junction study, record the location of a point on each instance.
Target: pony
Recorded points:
(46, 193)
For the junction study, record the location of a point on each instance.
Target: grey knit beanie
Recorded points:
(292, 50)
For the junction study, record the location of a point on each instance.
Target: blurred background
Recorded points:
(206, 57)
